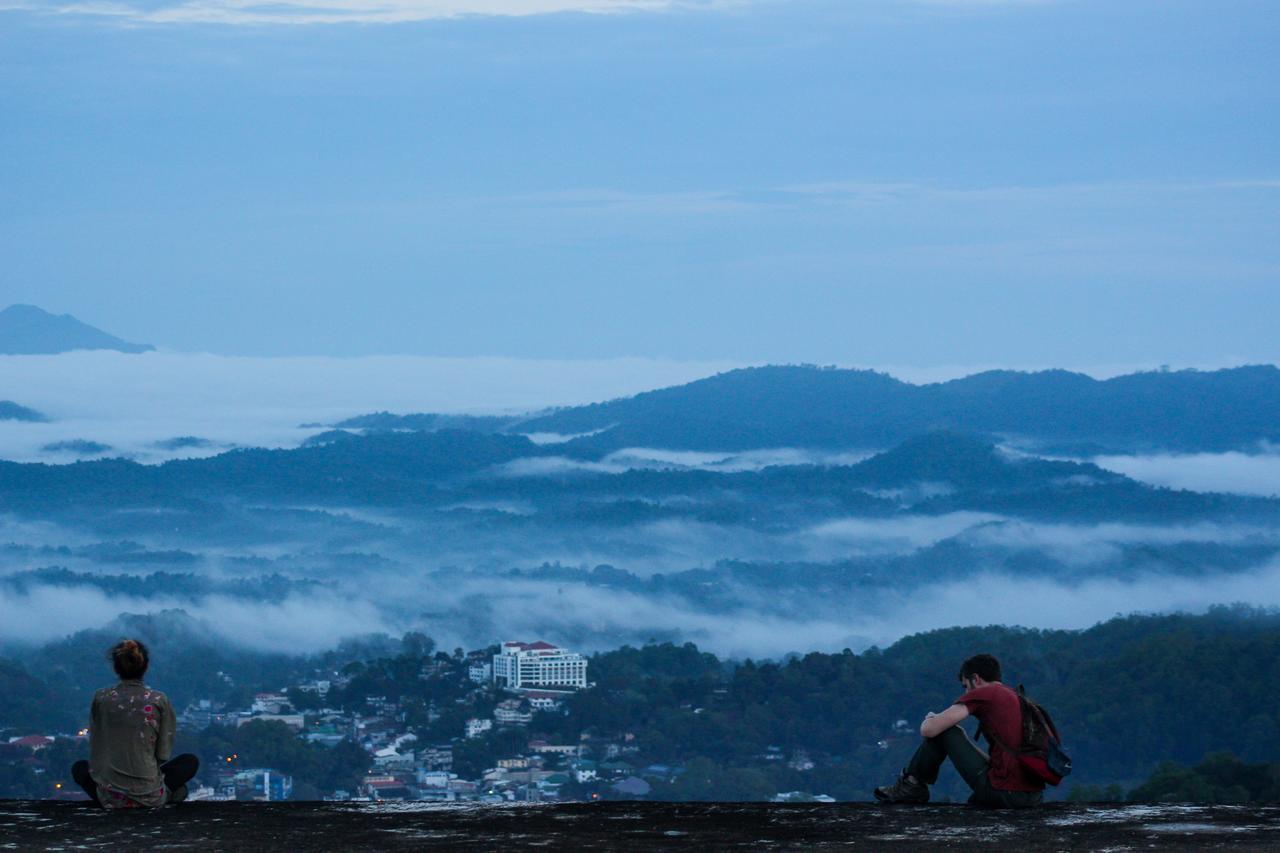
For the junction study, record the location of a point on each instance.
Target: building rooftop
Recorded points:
(306, 826)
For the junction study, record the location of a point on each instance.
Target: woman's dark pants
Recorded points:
(177, 772)
(971, 763)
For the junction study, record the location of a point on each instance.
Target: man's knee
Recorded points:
(949, 734)
(80, 772)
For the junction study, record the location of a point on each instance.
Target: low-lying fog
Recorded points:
(356, 570)
(1240, 473)
(1062, 576)
(135, 404)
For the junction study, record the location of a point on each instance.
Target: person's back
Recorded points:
(130, 736)
(131, 731)
(999, 711)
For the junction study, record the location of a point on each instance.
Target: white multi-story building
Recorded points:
(538, 665)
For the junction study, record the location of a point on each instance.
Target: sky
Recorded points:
(908, 182)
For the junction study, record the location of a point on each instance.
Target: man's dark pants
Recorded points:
(971, 762)
(177, 772)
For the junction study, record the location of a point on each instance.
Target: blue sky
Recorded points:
(862, 182)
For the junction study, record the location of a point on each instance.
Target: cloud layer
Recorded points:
(475, 611)
(1239, 473)
(273, 12)
(130, 402)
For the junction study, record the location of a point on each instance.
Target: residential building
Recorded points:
(508, 713)
(269, 703)
(476, 727)
(543, 700)
(293, 721)
(262, 783)
(555, 748)
(437, 756)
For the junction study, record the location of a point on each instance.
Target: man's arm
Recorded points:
(936, 724)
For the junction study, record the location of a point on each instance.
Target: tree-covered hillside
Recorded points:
(815, 407)
(1130, 695)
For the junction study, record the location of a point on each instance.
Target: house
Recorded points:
(262, 783)
(293, 721)
(388, 759)
(269, 703)
(632, 786)
(436, 756)
(542, 746)
(386, 788)
(476, 727)
(434, 778)
(509, 713)
(35, 743)
(544, 700)
(584, 771)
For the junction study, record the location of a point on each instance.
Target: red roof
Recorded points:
(539, 646)
(32, 741)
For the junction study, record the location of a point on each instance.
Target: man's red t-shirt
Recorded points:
(998, 709)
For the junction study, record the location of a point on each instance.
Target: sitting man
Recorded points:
(998, 781)
(130, 737)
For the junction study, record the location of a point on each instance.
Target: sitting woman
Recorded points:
(130, 736)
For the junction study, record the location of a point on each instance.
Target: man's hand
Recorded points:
(936, 724)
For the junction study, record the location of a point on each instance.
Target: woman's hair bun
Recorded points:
(129, 658)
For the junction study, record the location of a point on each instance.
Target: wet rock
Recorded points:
(636, 826)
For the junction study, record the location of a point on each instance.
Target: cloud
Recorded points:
(300, 12)
(297, 624)
(640, 458)
(899, 534)
(818, 195)
(1044, 603)
(461, 609)
(297, 12)
(1238, 473)
(130, 402)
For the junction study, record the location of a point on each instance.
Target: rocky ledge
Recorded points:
(635, 826)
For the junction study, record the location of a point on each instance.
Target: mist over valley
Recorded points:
(755, 512)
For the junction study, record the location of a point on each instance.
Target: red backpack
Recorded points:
(1041, 749)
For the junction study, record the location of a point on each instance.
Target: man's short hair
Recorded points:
(985, 667)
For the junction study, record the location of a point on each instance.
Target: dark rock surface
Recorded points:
(634, 826)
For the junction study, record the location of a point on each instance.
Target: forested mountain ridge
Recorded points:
(808, 407)
(28, 330)
(432, 469)
(805, 406)
(11, 411)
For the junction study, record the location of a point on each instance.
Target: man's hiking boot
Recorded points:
(178, 794)
(905, 790)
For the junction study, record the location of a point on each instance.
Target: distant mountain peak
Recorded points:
(30, 330)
